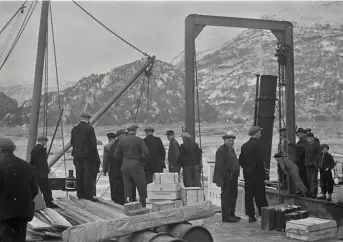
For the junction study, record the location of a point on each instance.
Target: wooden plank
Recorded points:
(55, 219)
(37, 224)
(73, 220)
(111, 204)
(103, 230)
(66, 208)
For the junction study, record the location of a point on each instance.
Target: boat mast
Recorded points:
(37, 87)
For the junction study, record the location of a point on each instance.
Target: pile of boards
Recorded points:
(46, 224)
(296, 223)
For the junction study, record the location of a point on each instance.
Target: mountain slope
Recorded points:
(8, 110)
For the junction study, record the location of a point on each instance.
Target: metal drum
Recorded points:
(190, 233)
(149, 236)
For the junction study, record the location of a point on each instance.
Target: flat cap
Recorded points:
(325, 146)
(85, 115)
(307, 130)
(120, 132)
(228, 136)
(170, 132)
(7, 144)
(111, 135)
(149, 128)
(279, 155)
(42, 138)
(132, 127)
(310, 135)
(254, 130)
(185, 135)
(300, 130)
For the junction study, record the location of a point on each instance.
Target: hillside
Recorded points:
(9, 111)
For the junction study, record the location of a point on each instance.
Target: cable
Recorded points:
(145, 54)
(15, 14)
(246, 120)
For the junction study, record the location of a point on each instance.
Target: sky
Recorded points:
(84, 47)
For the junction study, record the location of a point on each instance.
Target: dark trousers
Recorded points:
(13, 230)
(326, 182)
(84, 178)
(94, 180)
(229, 193)
(134, 176)
(312, 180)
(191, 176)
(117, 190)
(254, 190)
(44, 186)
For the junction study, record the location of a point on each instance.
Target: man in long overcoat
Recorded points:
(18, 188)
(226, 173)
(173, 152)
(254, 172)
(155, 162)
(86, 157)
(106, 158)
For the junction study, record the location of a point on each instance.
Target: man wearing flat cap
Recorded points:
(226, 173)
(309, 130)
(134, 152)
(39, 161)
(106, 158)
(155, 162)
(190, 160)
(86, 157)
(253, 170)
(300, 156)
(18, 188)
(173, 152)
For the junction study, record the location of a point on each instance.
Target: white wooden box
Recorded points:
(152, 187)
(311, 229)
(166, 205)
(192, 195)
(164, 195)
(166, 178)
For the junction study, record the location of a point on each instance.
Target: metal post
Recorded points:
(256, 97)
(37, 88)
(107, 106)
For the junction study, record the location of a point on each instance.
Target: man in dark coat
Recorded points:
(253, 170)
(106, 158)
(173, 152)
(312, 152)
(39, 160)
(226, 173)
(85, 155)
(155, 162)
(190, 160)
(300, 156)
(134, 152)
(308, 130)
(18, 188)
(326, 181)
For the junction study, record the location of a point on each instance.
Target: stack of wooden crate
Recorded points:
(311, 229)
(191, 196)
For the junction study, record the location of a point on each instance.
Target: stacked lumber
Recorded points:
(46, 223)
(192, 196)
(311, 229)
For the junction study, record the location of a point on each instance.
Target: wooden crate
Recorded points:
(152, 187)
(268, 217)
(166, 178)
(166, 205)
(297, 215)
(281, 211)
(313, 235)
(131, 206)
(164, 195)
(192, 195)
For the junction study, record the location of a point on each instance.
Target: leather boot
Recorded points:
(236, 217)
(252, 219)
(329, 199)
(229, 218)
(143, 202)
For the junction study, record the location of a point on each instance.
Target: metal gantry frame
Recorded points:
(283, 31)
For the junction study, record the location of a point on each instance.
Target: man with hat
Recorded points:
(326, 181)
(134, 152)
(308, 130)
(300, 156)
(190, 160)
(106, 158)
(39, 161)
(86, 157)
(155, 162)
(312, 152)
(18, 188)
(173, 152)
(226, 173)
(253, 171)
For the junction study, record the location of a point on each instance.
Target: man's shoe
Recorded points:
(236, 217)
(230, 220)
(51, 205)
(322, 197)
(252, 219)
(329, 199)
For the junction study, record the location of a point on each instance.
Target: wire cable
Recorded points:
(103, 25)
(15, 14)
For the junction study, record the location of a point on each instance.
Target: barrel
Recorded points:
(149, 236)
(190, 233)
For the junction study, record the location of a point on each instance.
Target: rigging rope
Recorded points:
(103, 25)
(21, 10)
(45, 100)
(26, 20)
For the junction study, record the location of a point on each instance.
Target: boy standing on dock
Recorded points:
(325, 167)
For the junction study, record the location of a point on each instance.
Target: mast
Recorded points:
(37, 88)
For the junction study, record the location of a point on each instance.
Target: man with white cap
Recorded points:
(84, 145)
(253, 171)
(134, 152)
(190, 160)
(18, 188)
(226, 173)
